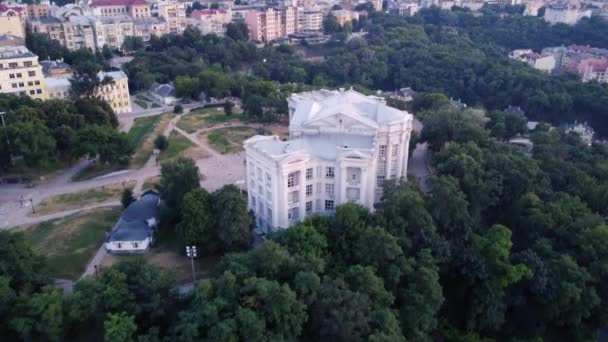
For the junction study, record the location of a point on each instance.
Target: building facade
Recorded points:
(113, 8)
(174, 15)
(20, 73)
(12, 20)
(270, 24)
(116, 93)
(343, 146)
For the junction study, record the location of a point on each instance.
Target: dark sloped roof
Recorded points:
(133, 225)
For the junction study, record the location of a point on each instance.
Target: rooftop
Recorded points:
(116, 75)
(324, 146)
(100, 3)
(19, 51)
(316, 105)
(133, 224)
(57, 82)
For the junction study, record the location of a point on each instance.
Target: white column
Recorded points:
(302, 194)
(401, 171)
(363, 187)
(282, 204)
(340, 189)
(406, 153)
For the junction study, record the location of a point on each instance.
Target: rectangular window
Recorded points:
(21, 84)
(292, 179)
(11, 75)
(260, 190)
(309, 173)
(269, 214)
(318, 205)
(38, 91)
(19, 75)
(14, 85)
(309, 207)
(12, 65)
(31, 73)
(329, 172)
(382, 152)
(329, 205)
(293, 197)
(394, 150)
(309, 190)
(32, 92)
(329, 190)
(268, 179)
(253, 202)
(30, 83)
(27, 64)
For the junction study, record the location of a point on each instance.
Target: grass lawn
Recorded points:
(155, 105)
(201, 118)
(70, 242)
(143, 133)
(143, 98)
(181, 146)
(151, 183)
(142, 104)
(230, 139)
(81, 199)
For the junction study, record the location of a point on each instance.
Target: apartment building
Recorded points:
(20, 72)
(272, 23)
(113, 8)
(116, 93)
(345, 16)
(36, 11)
(343, 146)
(12, 20)
(219, 15)
(594, 69)
(174, 15)
(567, 12)
(310, 19)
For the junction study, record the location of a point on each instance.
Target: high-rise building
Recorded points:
(270, 24)
(174, 14)
(343, 146)
(20, 72)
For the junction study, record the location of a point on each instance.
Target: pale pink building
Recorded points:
(593, 69)
(270, 24)
(219, 15)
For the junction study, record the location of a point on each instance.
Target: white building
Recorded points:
(343, 145)
(568, 12)
(134, 232)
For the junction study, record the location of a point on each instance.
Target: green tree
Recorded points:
(237, 31)
(228, 107)
(131, 44)
(196, 226)
(119, 328)
(330, 24)
(233, 222)
(177, 178)
(127, 197)
(161, 142)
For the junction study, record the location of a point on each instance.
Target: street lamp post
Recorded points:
(191, 253)
(32, 203)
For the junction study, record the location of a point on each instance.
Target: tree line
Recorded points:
(45, 133)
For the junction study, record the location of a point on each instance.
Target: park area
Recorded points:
(70, 242)
(230, 139)
(82, 198)
(207, 117)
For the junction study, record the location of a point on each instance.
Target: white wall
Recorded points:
(127, 246)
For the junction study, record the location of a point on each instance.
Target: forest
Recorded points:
(456, 53)
(506, 245)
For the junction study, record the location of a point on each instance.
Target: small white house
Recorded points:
(136, 227)
(163, 94)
